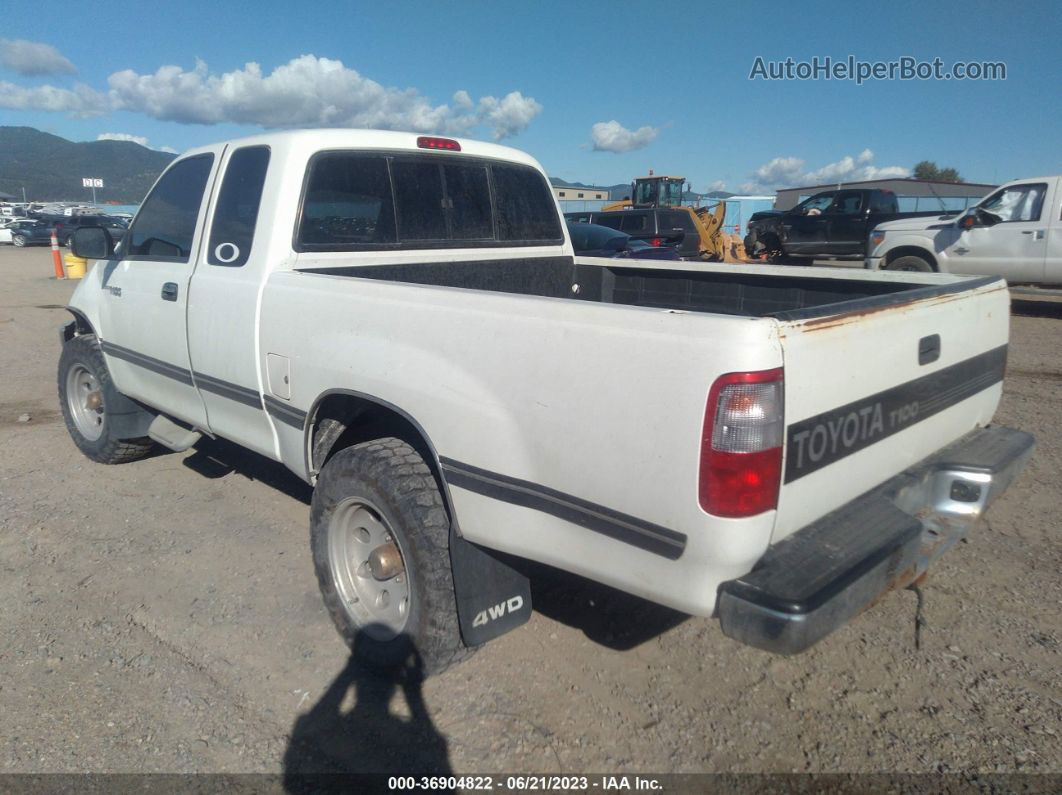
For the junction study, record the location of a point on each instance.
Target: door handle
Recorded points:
(1037, 233)
(169, 291)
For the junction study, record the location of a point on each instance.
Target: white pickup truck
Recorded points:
(401, 321)
(1015, 232)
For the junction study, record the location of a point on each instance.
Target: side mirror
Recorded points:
(968, 221)
(985, 218)
(92, 242)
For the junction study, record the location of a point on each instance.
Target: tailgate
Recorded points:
(878, 385)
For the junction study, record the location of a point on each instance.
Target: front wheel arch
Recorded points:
(911, 251)
(77, 326)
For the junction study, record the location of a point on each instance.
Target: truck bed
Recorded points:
(744, 291)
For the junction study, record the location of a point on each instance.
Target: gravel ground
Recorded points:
(163, 616)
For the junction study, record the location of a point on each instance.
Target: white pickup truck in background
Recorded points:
(401, 321)
(1015, 232)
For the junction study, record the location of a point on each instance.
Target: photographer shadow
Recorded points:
(331, 742)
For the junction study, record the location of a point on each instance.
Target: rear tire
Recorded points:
(85, 391)
(18, 241)
(909, 263)
(368, 497)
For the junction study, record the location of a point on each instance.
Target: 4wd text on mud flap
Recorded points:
(498, 610)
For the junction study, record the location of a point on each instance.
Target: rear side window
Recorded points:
(348, 203)
(236, 213)
(526, 210)
(165, 225)
(363, 201)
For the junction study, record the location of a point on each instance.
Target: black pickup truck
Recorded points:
(834, 223)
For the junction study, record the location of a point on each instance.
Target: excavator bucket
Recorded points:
(710, 225)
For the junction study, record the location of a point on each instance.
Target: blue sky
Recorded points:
(539, 76)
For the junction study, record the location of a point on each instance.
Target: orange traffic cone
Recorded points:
(59, 273)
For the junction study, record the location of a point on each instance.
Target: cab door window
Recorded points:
(847, 202)
(816, 204)
(165, 226)
(1016, 203)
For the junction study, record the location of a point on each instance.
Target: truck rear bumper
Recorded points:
(814, 581)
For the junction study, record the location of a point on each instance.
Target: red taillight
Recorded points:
(741, 444)
(656, 242)
(428, 142)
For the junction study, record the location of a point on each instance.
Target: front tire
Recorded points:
(909, 263)
(19, 241)
(85, 392)
(379, 533)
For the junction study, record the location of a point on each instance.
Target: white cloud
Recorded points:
(136, 139)
(309, 92)
(305, 92)
(611, 136)
(32, 58)
(509, 115)
(782, 172)
(80, 102)
(719, 184)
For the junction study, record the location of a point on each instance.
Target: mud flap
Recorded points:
(492, 597)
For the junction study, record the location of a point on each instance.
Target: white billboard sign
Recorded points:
(91, 182)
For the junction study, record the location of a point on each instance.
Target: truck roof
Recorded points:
(352, 138)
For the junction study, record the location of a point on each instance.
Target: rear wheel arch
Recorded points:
(342, 418)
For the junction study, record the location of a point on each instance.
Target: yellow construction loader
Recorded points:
(653, 191)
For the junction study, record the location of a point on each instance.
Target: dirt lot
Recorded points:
(164, 616)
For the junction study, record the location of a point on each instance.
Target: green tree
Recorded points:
(927, 169)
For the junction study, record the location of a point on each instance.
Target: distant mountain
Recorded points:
(51, 168)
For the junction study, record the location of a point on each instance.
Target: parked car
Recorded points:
(1015, 232)
(65, 229)
(656, 226)
(591, 240)
(8, 228)
(833, 223)
(402, 321)
(32, 233)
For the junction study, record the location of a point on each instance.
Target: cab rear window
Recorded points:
(362, 201)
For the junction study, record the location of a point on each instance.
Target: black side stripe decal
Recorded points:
(248, 397)
(282, 411)
(826, 438)
(628, 529)
(285, 412)
(148, 363)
